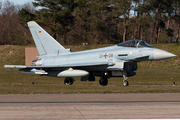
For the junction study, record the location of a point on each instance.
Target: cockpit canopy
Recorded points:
(135, 43)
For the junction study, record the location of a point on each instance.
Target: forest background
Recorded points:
(73, 22)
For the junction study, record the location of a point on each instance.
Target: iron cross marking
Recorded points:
(105, 55)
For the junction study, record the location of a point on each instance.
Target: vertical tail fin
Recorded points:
(45, 44)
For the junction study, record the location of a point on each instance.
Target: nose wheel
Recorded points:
(125, 82)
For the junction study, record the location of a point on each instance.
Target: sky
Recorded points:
(20, 2)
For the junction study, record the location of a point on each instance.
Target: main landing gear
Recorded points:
(68, 81)
(103, 80)
(125, 82)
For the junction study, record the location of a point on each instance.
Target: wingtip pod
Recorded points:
(31, 23)
(15, 66)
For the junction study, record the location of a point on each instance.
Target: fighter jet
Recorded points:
(115, 61)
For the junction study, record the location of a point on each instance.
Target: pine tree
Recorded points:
(25, 16)
(158, 7)
(56, 14)
(121, 9)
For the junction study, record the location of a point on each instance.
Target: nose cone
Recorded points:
(161, 54)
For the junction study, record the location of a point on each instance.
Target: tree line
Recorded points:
(73, 22)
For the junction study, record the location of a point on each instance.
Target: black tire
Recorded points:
(125, 83)
(68, 81)
(103, 81)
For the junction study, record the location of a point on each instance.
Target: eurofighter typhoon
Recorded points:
(115, 61)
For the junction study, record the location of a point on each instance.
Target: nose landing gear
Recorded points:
(125, 82)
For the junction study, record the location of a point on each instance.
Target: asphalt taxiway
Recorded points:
(90, 106)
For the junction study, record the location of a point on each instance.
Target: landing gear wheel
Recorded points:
(68, 81)
(103, 81)
(125, 83)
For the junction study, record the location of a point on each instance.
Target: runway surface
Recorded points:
(90, 106)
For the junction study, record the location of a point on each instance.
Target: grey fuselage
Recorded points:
(113, 54)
